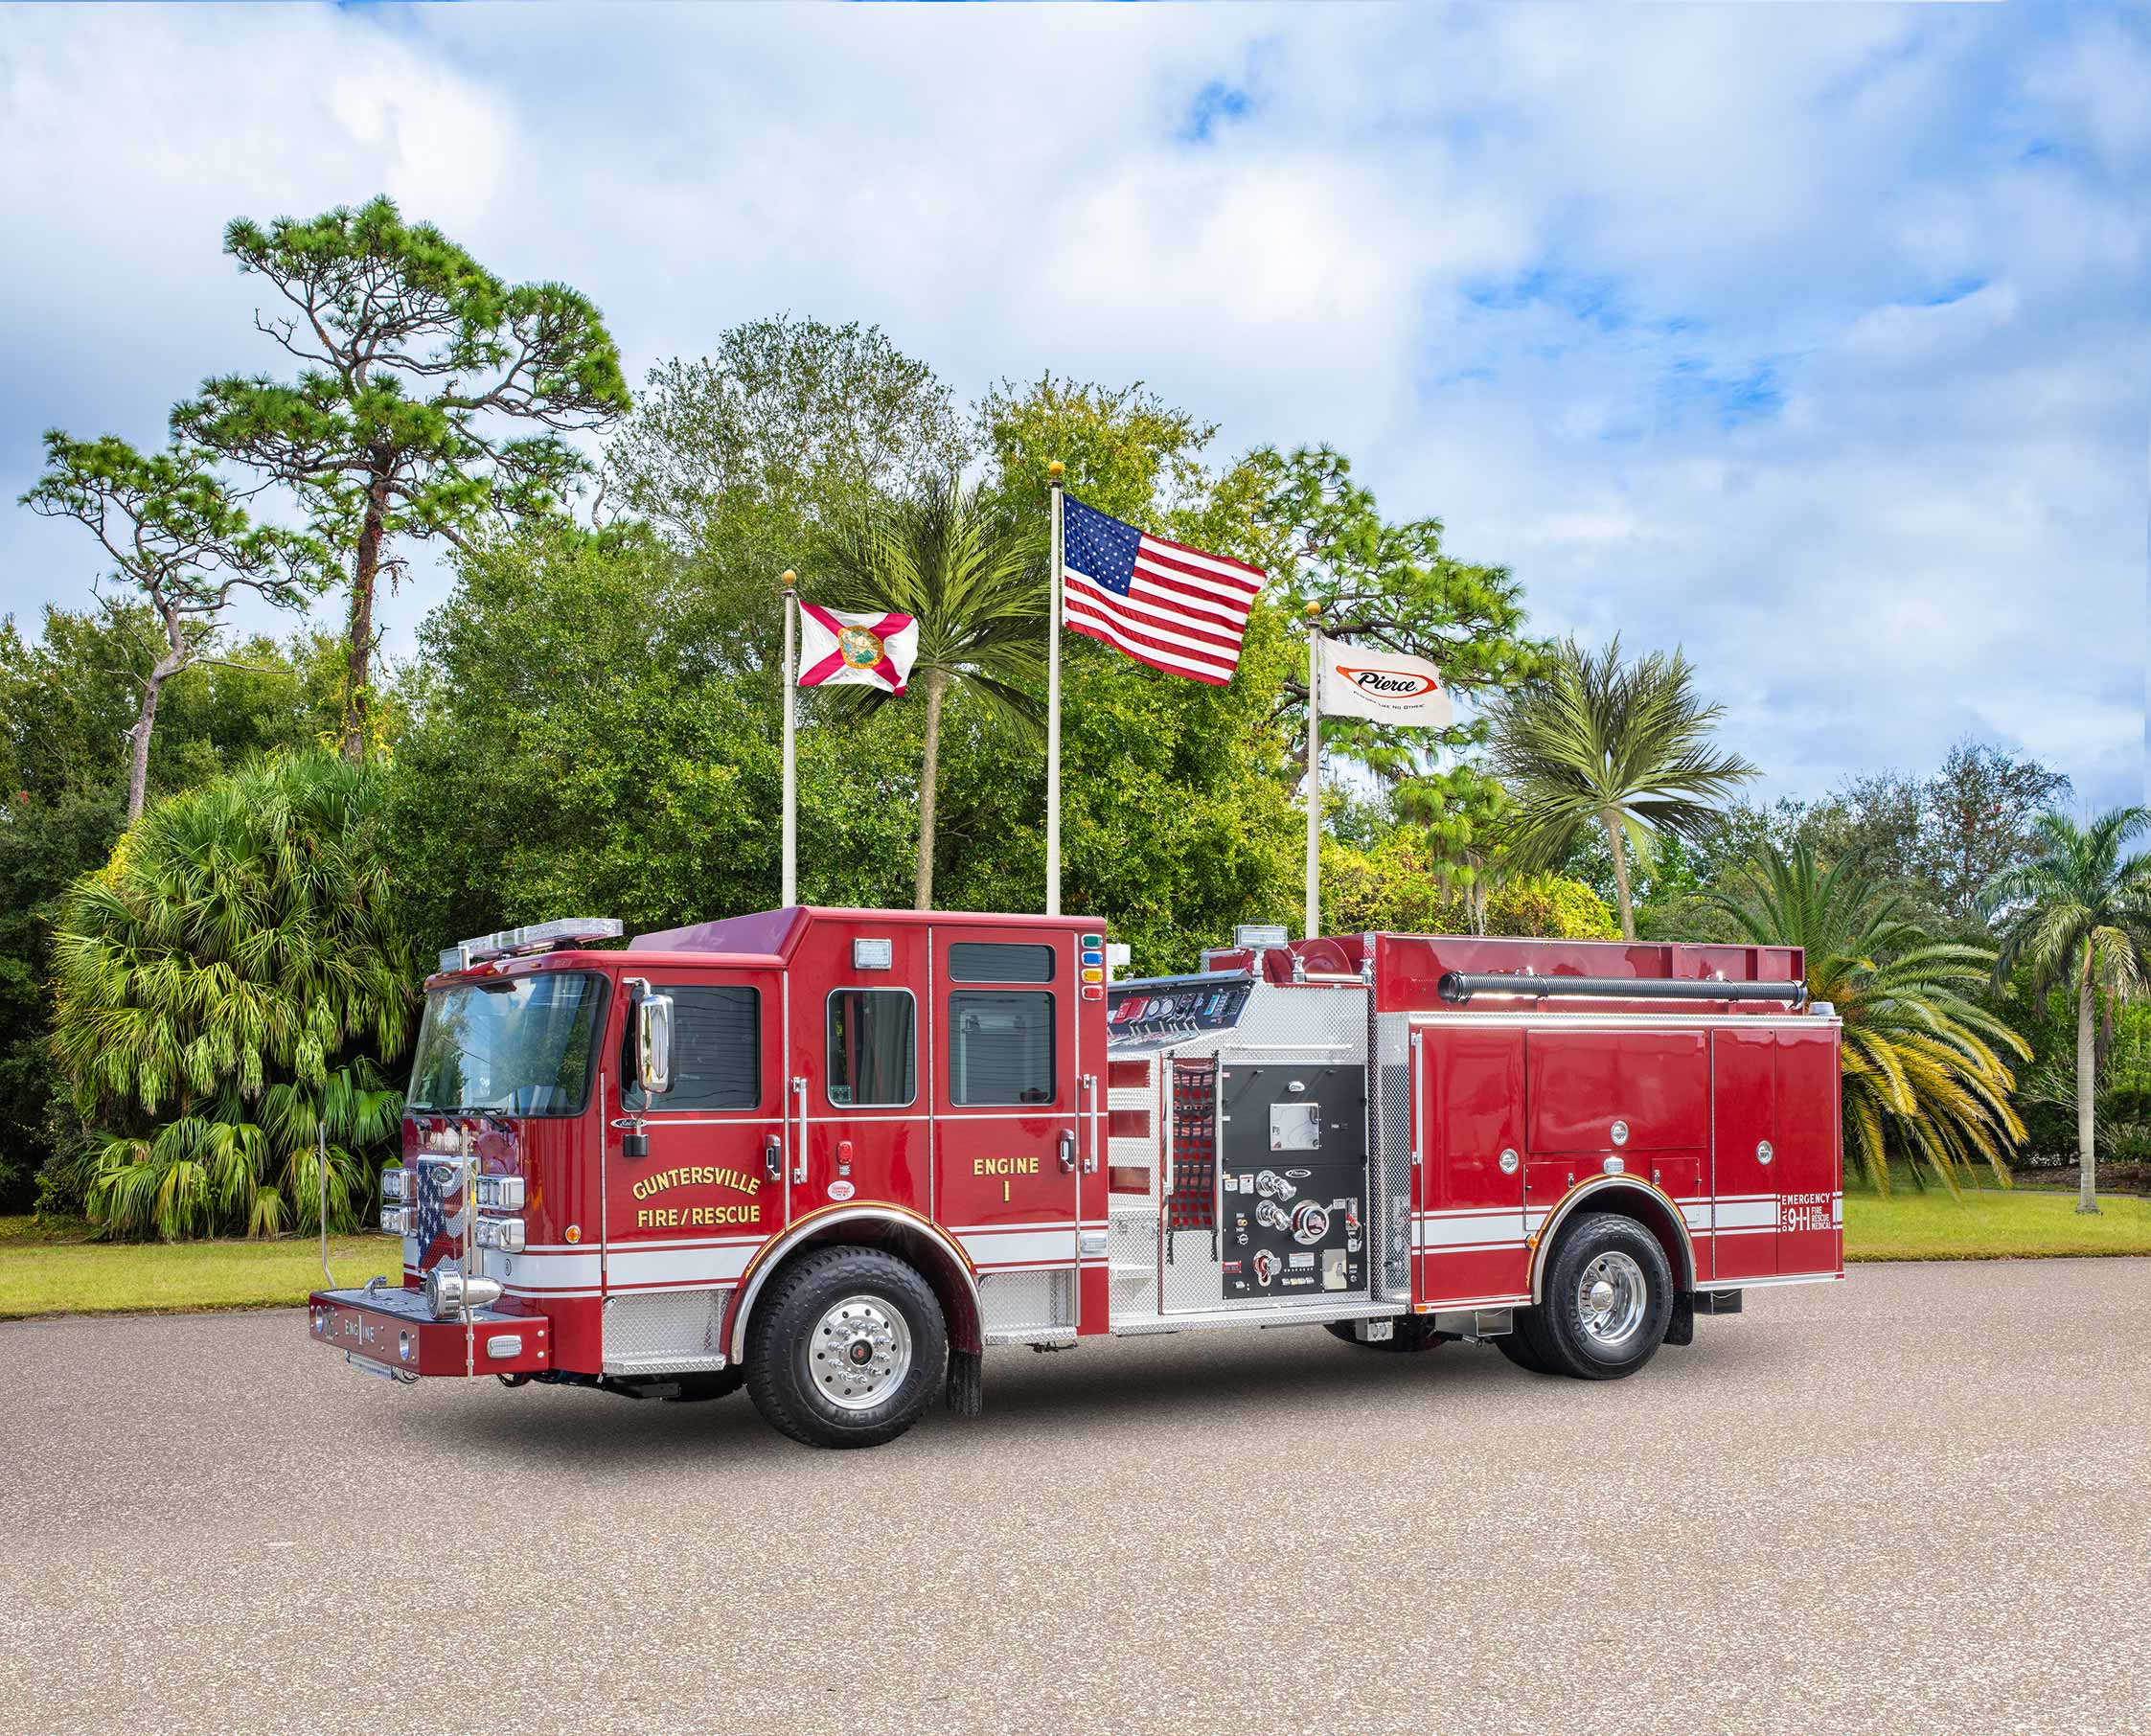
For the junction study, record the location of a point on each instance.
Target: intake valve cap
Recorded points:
(1311, 1222)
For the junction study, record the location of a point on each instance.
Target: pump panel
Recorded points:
(1293, 1181)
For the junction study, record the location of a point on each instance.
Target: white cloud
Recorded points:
(1811, 340)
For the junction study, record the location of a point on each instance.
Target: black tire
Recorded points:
(1556, 1330)
(699, 1388)
(1517, 1345)
(790, 1374)
(1411, 1332)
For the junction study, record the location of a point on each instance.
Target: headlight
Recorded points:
(504, 1233)
(392, 1183)
(500, 1193)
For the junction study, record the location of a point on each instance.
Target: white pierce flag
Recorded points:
(1384, 686)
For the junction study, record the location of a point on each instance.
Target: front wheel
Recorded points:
(847, 1349)
(1606, 1301)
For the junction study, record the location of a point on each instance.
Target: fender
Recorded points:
(831, 1217)
(1683, 1276)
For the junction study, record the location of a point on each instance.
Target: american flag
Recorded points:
(1163, 604)
(438, 1230)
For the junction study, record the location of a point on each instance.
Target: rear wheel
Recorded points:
(1409, 1332)
(1606, 1300)
(847, 1349)
(1517, 1345)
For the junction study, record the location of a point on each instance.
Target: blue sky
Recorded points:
(1811, 340)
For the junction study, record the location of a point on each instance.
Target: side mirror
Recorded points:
(654, 1043)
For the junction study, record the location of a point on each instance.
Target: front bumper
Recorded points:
(390, 1332)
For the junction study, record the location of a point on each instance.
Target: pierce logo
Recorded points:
(1389, 683)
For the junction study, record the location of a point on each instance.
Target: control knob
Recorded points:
(1311, 1222)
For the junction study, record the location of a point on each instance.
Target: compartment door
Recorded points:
(1744, 1107)
(1810, 1181)
(1468, 1207)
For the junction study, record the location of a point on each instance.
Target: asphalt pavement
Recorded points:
(1919, 1500)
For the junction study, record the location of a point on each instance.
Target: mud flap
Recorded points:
(967, 1382)
(1681, 1328)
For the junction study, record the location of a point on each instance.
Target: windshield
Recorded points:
(522, 1045)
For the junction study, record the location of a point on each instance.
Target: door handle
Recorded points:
(772, 1157)
(1067, 1150)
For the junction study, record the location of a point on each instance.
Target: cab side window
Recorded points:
(716, 1051)
(1001, 1047)
(873, 1048)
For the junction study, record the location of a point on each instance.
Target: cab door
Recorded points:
(710, 1188)
(856, 1095)
(1008, 1161)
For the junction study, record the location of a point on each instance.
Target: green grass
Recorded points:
(1990, 1224)
(49, 1271)
(57, 1270)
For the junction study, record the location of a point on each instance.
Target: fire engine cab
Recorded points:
(831, 1155)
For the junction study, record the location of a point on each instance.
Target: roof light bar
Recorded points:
(1458, 987)
(533, 937)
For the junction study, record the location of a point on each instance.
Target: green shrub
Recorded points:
(228, 987)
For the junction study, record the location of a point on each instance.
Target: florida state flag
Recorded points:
(870, 650)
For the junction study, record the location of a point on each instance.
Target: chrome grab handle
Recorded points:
(800, 1155)
(1090, 1096)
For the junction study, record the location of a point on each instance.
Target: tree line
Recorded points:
(227, 857)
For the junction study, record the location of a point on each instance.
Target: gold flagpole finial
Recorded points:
(1314, 610)
(1055, 468)
(789, 579)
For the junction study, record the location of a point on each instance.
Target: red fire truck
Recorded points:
(833, 1154)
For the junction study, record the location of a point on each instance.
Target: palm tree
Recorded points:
(2079, 913)
(980, 595)
(223, 988)
(1921, 1067)
(1623, 746)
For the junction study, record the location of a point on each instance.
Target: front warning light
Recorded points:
(504, 1233)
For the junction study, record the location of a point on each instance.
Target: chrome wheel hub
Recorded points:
(858, 1353)
(1611, 1297)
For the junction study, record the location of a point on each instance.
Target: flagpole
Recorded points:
(1314, 771)
(1053, 708)
(791, 896)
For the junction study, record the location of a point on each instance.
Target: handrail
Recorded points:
(1459, 987)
